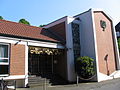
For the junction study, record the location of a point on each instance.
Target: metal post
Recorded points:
(30, 63)
(77, 80)
(44, 86)
(15, 84)
(52, 64)
(38, 63)
(2, 86)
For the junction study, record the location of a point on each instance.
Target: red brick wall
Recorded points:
(17, 60)
(59, 29)
(105, 44)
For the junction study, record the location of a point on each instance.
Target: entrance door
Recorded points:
(46, 65)
(40, 65)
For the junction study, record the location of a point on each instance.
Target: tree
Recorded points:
(24, 21)
(1, 18)
(42, 25)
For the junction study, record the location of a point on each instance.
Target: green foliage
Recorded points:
(85, 67)
(41, 25)
(1, 18)
(24, 21)
(118, 43)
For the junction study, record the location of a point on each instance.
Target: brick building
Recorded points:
(27, 50)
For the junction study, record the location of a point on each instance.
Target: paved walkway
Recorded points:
(106, 85)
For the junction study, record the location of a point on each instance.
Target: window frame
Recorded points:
(6, 63)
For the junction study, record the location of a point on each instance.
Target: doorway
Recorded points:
(48, 63)
(41, 65)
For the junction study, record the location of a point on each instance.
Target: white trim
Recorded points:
(101, 10)
(4, 58)
(11, 87)
(13, 77)
(4, 44)
(95, 42)
(103, 77)
(26, 64)
(56, 22)
(45, 44)
(70, 54)
(66, 27)
(2, 63)
(115, 46)
(8, 58)
(96, 10)
(9, 40)
(4, 75)
(30, 42)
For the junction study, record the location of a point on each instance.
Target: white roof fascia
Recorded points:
(63, 19)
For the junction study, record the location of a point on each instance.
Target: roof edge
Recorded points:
(28, 38)
(19, 23)
(81, 13)
(96, 10)
(55, 22)
(103, 11)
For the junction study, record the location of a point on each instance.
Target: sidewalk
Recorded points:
(106, 85)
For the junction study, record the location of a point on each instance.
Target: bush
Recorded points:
(85, 67)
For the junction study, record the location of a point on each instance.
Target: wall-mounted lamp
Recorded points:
(55, 61)
(17, 42)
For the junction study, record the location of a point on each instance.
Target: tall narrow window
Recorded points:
(4, 58)
(76, 40)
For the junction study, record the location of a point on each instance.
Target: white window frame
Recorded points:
(5, 63)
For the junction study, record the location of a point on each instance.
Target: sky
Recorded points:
(39, 12)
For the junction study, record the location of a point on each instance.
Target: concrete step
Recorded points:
(47, 81)
(39, 84)
(37, 81)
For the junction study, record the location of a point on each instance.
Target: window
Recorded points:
(4, 58)
(76, 39)
(4, 54)
(3, 69)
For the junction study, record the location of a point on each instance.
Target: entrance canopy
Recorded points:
(41, 50)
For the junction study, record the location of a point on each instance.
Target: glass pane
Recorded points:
(3, 60)
(4, 51)
(3, 69)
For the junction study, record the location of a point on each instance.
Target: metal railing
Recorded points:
(5, 85)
